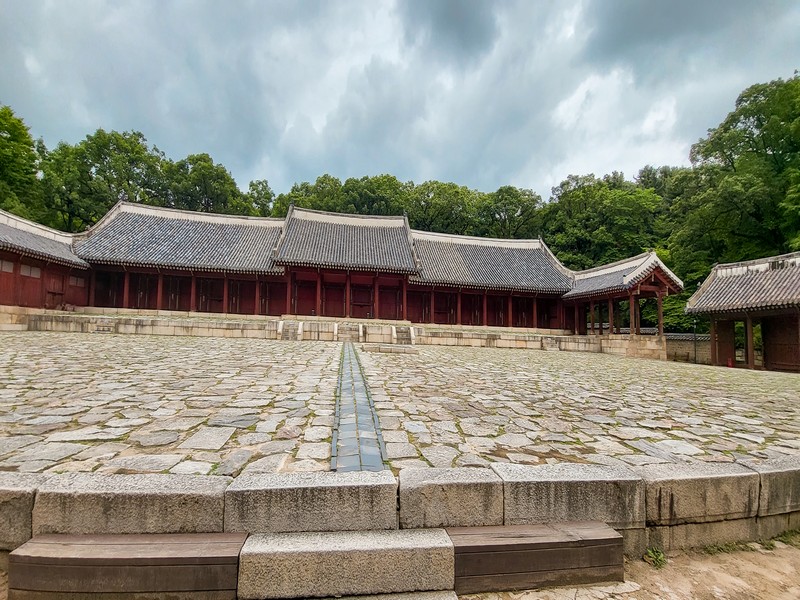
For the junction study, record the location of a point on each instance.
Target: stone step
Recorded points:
(515, 557)
(443, 595)
(349, 332)
(304, 565)
(290, 330)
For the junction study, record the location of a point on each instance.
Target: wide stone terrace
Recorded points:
(108, 403)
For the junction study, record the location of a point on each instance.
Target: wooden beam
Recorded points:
(749, 343)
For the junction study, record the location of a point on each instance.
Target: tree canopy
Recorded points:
(739, 200)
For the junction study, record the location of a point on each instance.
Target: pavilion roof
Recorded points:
(764, 284)
(139, 235)
(620, 276)
(322, 239)
(37, 241)
(486, 263)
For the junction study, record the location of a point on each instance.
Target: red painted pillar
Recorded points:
(633, 314)
(535, 312)
(193, 294)
(225, 295)
(485, 308)
(319, 294)
(433, 305)
(458, 308)
(610, 317)
(160, 291)
(576, 328)
(289, 276)
(347, 296)
(126, 285)
(257, 308)
(405, 299)
(713, 341)
(749, 345)
(638, 317)
(375, 298)
(660, 301)
(92, 288)
(591, 315)
(510, 311)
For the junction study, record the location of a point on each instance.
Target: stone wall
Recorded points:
(684, 351)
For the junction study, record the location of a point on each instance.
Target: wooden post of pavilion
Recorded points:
(610, 317)
(193, 294)
(92, 285)
(535, 313)
(160, 291)
(375, 298)
(749, 345)
(126, 288)
(458, 307)
(713, 341)
(633, 314)
(318, 308)
(226, 294)
(485, 308)
(660, 300)
(591, 315)
(257, 308)
(577, 318)
(638, 317)
(289, 277)
(405, 299)
(510, 310)
(347, 295)
(433, 305)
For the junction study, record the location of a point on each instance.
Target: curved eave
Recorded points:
(498, 288)
(738, 310)
(346, 267)
(182, 267)
(77, 264)
(594, 293)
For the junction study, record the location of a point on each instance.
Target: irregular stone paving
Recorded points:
(108, 403)
(451, 406)
(356, 431)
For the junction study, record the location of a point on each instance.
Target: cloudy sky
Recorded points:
(481, 93)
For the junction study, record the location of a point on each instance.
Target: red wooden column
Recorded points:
(347, 295)
(319, 294)
(638, 317)
(92, 288)
(510, 311)
(458, 308)
(433, 305)
(610, 317)
(225, 295)
(713, 341)
(577, 319)
(193, 294)
(591, 314)
(126, 288)
(375, 297)
(18, 282)
(485, 308)
(257, 308)
(405, 299)
(749, 345)
(535, 312)
(660, 301)
(160, 291)
(633, 313)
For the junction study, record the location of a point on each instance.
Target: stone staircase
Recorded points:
(404, 335)
(348, 332)
(550, 344)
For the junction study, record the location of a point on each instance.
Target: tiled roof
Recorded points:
(37, 241)
(488, 263)
(321, 239)
(619, 276)
(763, 284)
(138, 235)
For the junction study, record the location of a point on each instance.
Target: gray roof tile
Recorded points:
(619, 276)
(488, 263)
(137, 235)
(320, 239)
(37, 241)
(763, 284)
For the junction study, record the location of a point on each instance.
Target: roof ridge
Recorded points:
(757, 262)
(398, 220)
(35, 228)
(484, 241)
(613, 266)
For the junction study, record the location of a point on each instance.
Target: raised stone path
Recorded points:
(136, 403)
(357, 441)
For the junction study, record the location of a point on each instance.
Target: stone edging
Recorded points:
(670, 506)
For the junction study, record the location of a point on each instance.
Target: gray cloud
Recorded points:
(481, 93)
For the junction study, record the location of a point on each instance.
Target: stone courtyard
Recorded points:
(137, 404)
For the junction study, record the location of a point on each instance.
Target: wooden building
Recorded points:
(321, 264)
(764, 294)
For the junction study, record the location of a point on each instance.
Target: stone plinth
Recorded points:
(283, 502)
(17, 492)
(780, 485)
(572, 492)
(463, 497)
(88, 503)
(305, 565)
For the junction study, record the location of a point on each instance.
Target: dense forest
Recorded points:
(739, 200)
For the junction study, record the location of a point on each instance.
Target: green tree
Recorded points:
(19, 186)
(198, 183)
(443, 207)
(509, 212)
(261, 197)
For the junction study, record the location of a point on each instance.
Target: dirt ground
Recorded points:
(739, 575)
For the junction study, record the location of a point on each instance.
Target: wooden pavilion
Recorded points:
(763, 293)
(318, 264)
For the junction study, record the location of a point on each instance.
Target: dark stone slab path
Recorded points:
(357, 443)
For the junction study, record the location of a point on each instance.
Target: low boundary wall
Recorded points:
(127, 321)
(669, 506)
